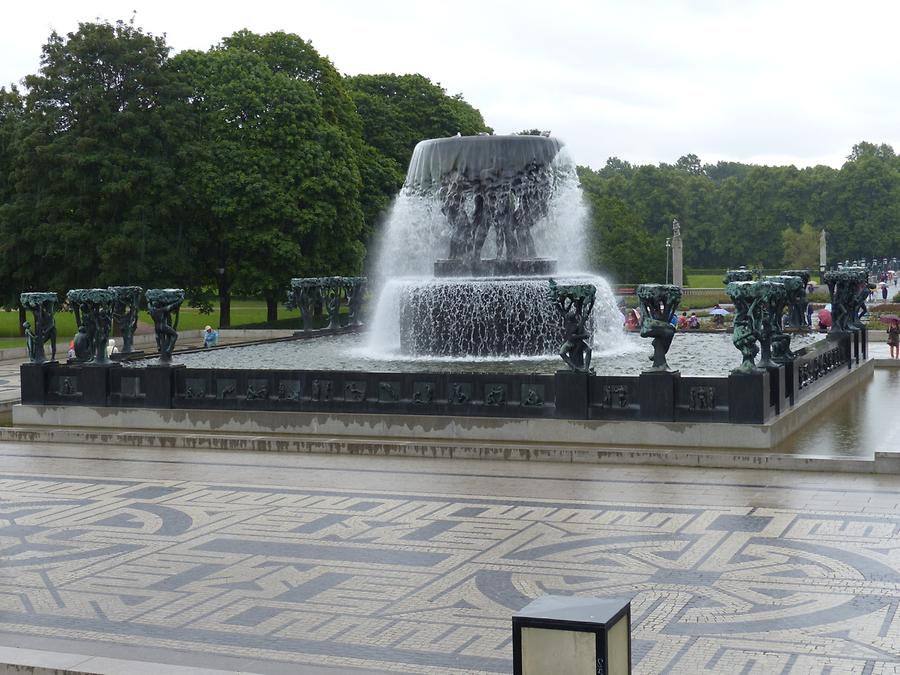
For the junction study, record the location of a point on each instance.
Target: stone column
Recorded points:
(822, 258)
(677, 256)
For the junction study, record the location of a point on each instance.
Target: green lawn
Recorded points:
(704, 280)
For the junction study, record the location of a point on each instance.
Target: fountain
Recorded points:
(482, 291)
(481, 225)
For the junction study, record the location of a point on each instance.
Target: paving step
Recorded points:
(879, 462)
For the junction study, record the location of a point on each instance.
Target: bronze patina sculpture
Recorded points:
(355, 289)
(747, 322)
(331, 291)
(301, 296)
(574, 303)
(161, 304)
(740, 274)
(792, 296)
(771, 300)
(125, 313)
(93, 314)
(659, 302)
(848, 287)
(797, 299)
(859, 309)
(42, 306)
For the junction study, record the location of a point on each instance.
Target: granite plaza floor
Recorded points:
(331, 564)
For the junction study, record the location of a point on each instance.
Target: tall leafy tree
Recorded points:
(15, 273)
(276, 184)
(801, 247)
(95, 191)
(398, 111)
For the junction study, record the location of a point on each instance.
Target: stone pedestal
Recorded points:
(159, 385)
(749, 397)
(677, 261)
(657, 392)
(94, 384)
(33, 379)
(572, 390)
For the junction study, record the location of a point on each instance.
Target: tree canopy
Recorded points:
(733, 213)
(226, 170)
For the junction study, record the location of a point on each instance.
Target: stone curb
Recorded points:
(881, 462)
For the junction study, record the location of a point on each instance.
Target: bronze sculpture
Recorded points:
(849, 287)
(161, 304)
(125, 313)
(574, 304)
(42, 306)
(93, 315)
(747, 322)
(797, 299)
(659, 302)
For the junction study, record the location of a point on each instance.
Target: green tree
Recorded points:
(276, 184)
(13, 274)
(690, 164)
(95, 196)
(801, 247)
(620, 246)
(398, 111)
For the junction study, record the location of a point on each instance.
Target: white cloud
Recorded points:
(647, 81)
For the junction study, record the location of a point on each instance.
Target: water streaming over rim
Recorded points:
(520, 198)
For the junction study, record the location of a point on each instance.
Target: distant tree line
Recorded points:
(225, 171)
(733, 214)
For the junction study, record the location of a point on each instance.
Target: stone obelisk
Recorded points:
(822, 252)
(677, 255)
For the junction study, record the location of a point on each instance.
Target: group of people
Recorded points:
(632, 320)
(685, 322)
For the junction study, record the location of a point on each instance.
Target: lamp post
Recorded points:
(668, 249)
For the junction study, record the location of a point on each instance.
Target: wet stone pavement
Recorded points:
(296, 564)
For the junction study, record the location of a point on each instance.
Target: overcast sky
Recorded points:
(754, 81)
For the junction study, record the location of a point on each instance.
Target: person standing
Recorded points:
(893, 333)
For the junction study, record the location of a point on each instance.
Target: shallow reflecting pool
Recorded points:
(856, 425)
(691, 353)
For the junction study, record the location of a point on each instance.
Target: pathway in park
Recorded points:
(280, 563)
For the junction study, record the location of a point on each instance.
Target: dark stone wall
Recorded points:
(656, 396)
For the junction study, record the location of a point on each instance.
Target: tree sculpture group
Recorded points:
(306, 292)
(659, 302)
(93, 315)
(759, 314)
(95, 310)
(574, 304)
(849, 287)
(42, 306)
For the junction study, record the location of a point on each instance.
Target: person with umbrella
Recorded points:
(893, 333)
(718, 313)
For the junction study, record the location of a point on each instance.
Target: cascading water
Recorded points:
(481, 224)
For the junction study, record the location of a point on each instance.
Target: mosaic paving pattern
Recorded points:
(9, 381)
(427, 583)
